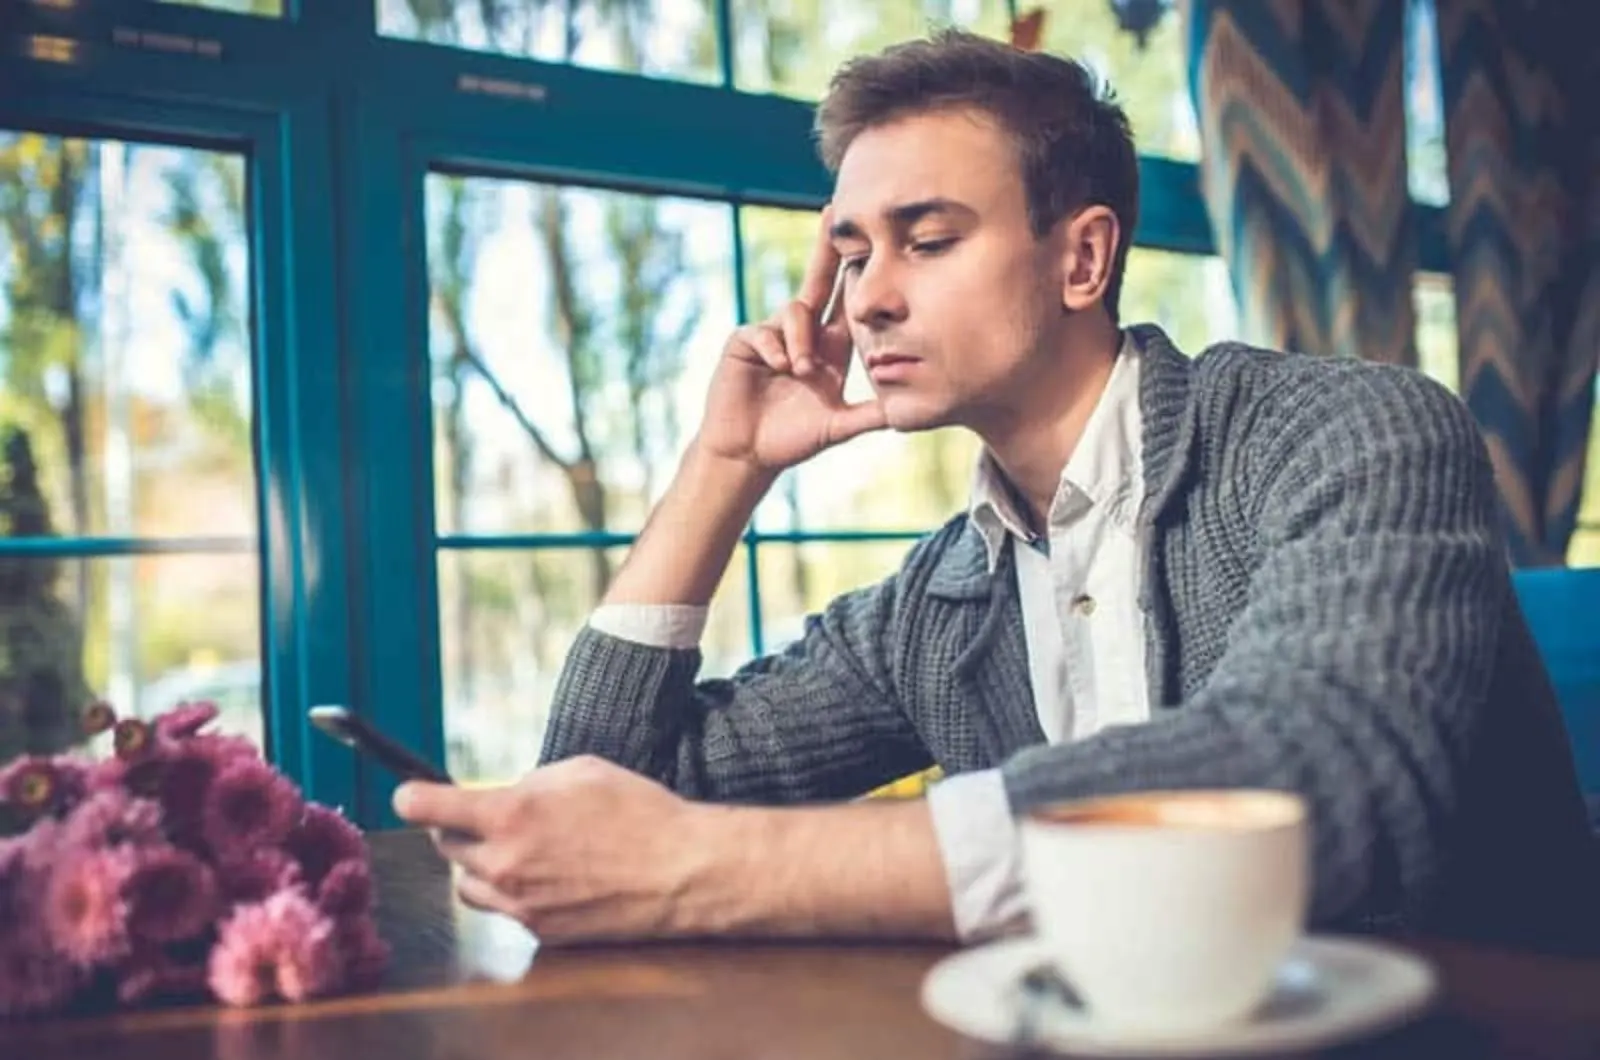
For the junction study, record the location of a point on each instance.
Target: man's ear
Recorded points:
(1088, 246)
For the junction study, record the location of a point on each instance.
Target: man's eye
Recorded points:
(855, 264)
(932, 246)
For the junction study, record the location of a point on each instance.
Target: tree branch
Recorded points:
(570, 323)
(452, 318)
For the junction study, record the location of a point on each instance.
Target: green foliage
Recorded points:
(42, 690)
(41, 187)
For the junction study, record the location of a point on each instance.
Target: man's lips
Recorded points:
(891, 368)
(884, 360)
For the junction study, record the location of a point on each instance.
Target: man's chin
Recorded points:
(910, 416)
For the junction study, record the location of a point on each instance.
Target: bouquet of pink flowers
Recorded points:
(181, 866)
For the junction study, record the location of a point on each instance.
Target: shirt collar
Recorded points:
(1104, 468)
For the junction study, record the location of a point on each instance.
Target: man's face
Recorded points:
(954, 304)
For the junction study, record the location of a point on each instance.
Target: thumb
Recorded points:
(430, 805)
(857, 419)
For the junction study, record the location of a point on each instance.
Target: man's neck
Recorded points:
(1035, 438)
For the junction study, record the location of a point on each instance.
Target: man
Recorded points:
(1250, 569)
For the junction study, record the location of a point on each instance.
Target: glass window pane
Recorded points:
(572, 335)
(665, 38)
(144, 632)
(800, 580)
(880, 481)
(268, 8)
(1433, 297)
(507, 619)
(1150, 77)
(1427, 170)
(124, 339)
(125, 411)
(792, 47)
(1189, 295)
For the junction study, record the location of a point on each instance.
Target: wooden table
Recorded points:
(465, 985)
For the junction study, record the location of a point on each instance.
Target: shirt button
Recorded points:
(1084, 605)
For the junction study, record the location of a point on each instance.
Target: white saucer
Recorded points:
(1328, 990)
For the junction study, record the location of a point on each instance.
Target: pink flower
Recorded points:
(222, 750)
(27, 782)
(184, 788)
(132, 738)
(257, 875)
(154, 973)
(38, 786)
(73, 777)
(19, 891)
(84, 909)
(282, 947)
(13, 861)
(171, 895)
(33, 979)
(141, 776)
(365, 953)
(98, 717)
(112, 818)
(249, 805)
(186, 719)
(347, 889)
(322, 839)
(168, 768)
(39, 845)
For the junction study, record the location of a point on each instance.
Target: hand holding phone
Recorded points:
(352, 730)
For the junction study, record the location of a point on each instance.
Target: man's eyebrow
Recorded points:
(903, 216)
(845, 230)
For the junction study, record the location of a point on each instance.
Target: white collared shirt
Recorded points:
(1079, 590)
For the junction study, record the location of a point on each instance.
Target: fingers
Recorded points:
(765, 343)
(479, 893)
(822, 269)
(548, 926)
(468, 851)
(792, 343)
(443, 806)
(856, 419)
(799, 337)
(809, 331)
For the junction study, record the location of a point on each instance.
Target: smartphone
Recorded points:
(352, 730)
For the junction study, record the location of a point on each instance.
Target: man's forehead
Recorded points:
(919, 159)
(861, 206)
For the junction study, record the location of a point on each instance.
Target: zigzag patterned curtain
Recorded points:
(1524, 232)
(1302, 118)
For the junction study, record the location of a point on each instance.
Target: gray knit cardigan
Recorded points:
(1327, 609)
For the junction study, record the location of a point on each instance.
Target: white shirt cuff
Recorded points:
(982, 854)
(653, 625)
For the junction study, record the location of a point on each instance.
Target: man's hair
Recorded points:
(1073, 142)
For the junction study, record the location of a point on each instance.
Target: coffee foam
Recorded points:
(1227, 810)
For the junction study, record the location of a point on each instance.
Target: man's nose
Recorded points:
(875, 295)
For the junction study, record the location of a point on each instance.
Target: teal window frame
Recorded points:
(340, 127)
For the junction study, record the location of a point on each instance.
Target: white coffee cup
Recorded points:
(1169, 912)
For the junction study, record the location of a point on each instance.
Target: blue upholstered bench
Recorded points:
(1563, 611)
